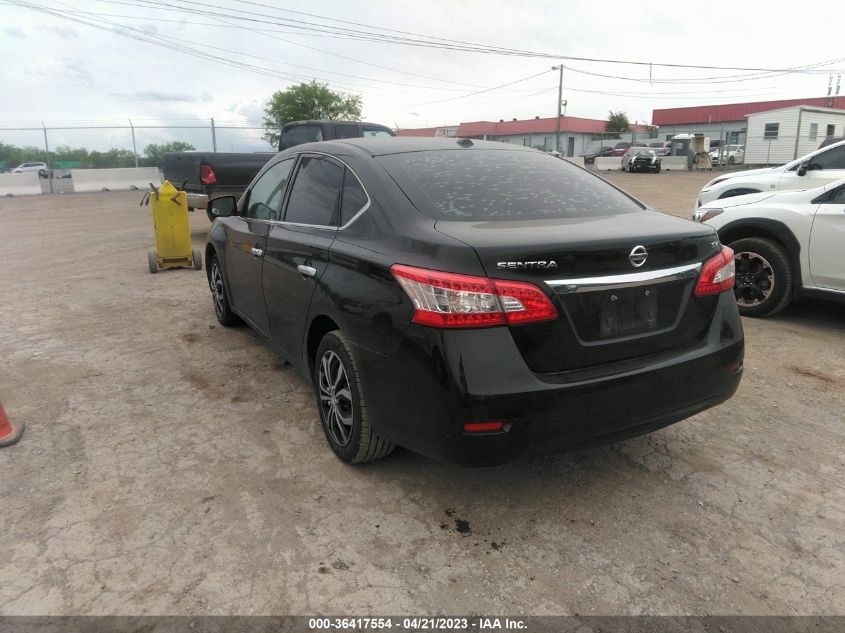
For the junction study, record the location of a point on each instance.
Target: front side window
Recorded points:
(315, 192)
(771, 131)
(502, 185)
(838, 196)
(265, 197)
(831, 159)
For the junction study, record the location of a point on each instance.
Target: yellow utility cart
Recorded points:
(171, 229)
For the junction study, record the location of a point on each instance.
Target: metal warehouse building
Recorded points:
(576, 133)
(775, 137)
(717, 121)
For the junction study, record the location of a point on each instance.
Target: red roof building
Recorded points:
(734, 112)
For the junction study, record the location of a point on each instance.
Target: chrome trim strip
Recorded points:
(628, 280)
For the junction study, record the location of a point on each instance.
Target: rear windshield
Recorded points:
(485, 185)
(299, 134)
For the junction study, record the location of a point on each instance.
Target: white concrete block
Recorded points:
(608, 163)
(114, 179)
(25, 184)
(674, 163)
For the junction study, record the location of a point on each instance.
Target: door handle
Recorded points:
(256, 251)
(309, 271)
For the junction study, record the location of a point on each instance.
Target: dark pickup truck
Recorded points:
(206, 174)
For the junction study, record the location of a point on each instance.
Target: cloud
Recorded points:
(150, 28)
(162, 97)
(14, 31)
(65, 32)
(252, 111)
(80, 75)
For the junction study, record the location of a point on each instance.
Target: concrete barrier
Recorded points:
(674, 163)
(608, 163)
(25, 184)
(578, 160)
(114, 179)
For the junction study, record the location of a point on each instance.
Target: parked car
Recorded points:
(830, 140)
(596, 151)
(41, 168)
(734, 153)
(437, 302)
(213, 173)
(786, 244)
(641, 159)
(815, 169)
(298, 132)
(620, 148)
(661, 149)
(207, 174)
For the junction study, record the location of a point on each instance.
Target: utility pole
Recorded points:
(134, 149)
(47, 149)
(213, 136)
(559, 105)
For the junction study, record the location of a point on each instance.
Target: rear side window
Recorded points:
(831, 159)
(346, 131)
(485, 185)
(354, 197)
(299, 134)
(315, 192)
(376, 131)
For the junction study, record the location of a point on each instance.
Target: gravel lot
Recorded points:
(171, 466)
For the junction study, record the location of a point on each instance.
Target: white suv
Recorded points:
(786, 244)
(814, 169)
(41, 168)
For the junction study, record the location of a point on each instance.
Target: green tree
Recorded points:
(154, 152)
(307, 101)
(618, 122)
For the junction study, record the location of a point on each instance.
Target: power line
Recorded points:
(450, 44)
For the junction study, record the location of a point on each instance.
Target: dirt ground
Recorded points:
(171, 466)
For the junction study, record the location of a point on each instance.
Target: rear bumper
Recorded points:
(438, 380)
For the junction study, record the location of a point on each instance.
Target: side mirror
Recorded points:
(802, 168)
(223, 207)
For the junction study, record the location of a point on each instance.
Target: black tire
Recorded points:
(657, 170)
(353, 442)
(152, 260)
(197, 257)
(731, 160)
(764, 276)
(220, 295)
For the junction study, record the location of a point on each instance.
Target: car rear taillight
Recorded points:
(450, 300)
(207, 175)
(717, 274)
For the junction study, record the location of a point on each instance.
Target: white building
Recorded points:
(776, 137)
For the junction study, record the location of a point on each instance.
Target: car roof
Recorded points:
(382, 146)
(321, 121)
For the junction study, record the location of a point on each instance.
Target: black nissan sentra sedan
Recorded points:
(474, 301)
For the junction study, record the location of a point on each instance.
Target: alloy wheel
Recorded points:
(755, 279)
(335, 398)
(217, 289)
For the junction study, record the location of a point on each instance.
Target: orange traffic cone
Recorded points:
(8, 434)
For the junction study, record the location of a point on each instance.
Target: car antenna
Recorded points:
(465, 142)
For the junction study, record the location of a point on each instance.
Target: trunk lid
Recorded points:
(610, 309)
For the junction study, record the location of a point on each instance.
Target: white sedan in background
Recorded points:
(816, 168)
(786, 244)
(735, 154)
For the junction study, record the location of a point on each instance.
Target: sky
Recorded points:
(94, 64)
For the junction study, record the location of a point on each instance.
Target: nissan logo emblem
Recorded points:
(638, 256)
